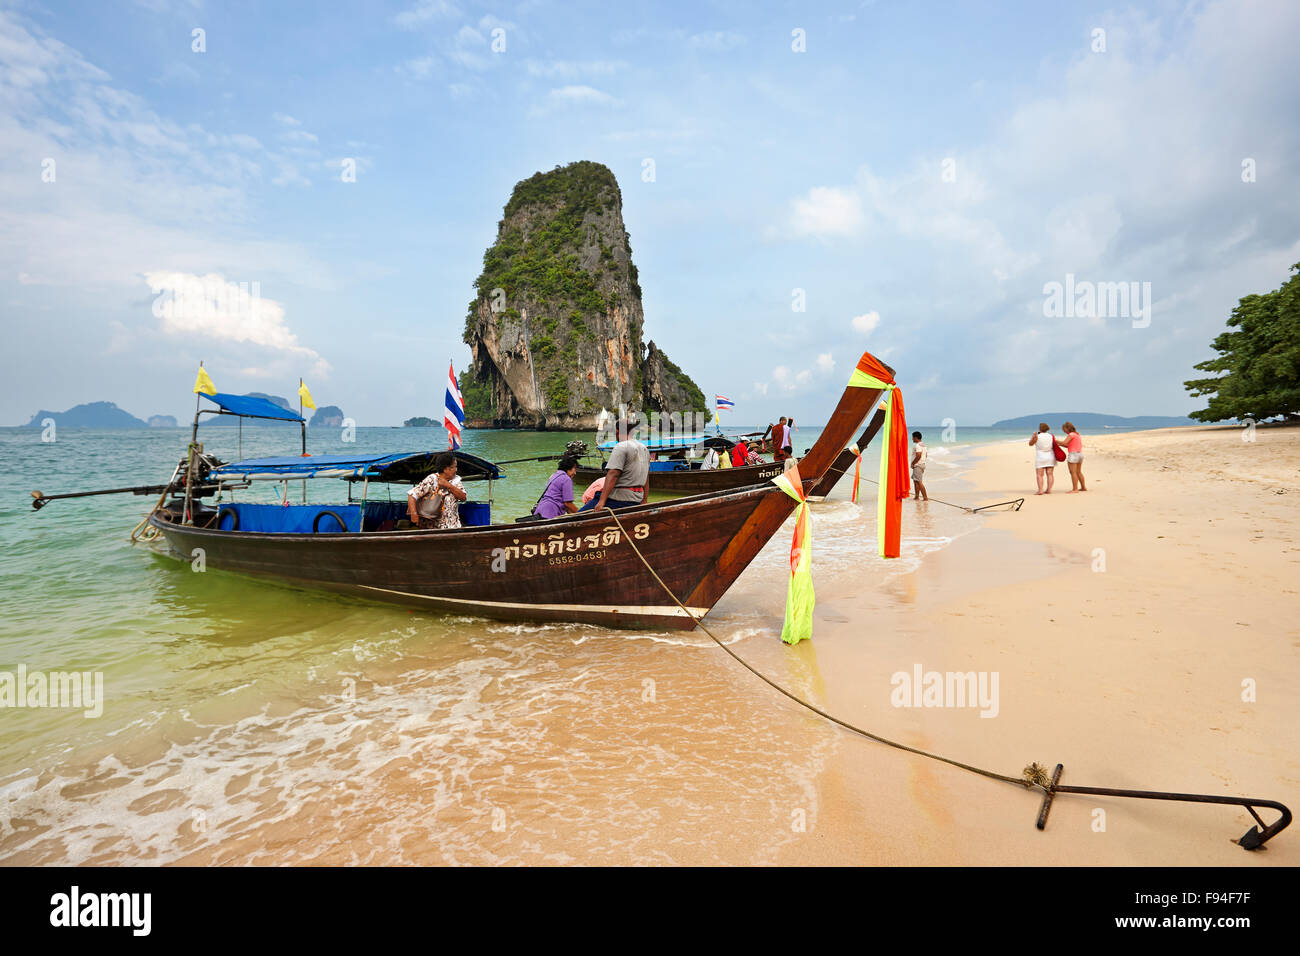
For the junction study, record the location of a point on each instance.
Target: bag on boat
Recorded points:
(430, 507)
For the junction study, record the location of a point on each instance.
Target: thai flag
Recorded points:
(724, 403)
(453, 416)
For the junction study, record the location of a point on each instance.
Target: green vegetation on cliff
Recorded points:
(477, 396)
(545, 263)
(695, 399)
(557, 325)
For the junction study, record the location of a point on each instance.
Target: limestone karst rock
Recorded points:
(556, 329)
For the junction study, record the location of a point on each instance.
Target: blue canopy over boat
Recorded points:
(250, 406)
(665, 442)
(401, 467)
(675, 442)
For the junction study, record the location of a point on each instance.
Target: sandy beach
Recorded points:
(1127, 626)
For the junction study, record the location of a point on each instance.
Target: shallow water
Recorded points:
(246, 721)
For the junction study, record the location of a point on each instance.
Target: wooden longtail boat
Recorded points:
(845, 460)
(575, 567)
(695, 480)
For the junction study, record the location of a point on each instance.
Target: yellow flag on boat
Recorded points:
(203, 383)
(305, 395)
(799, 598)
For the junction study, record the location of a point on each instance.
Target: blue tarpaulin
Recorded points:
(251, 405)
(305, 466)
(295, 519)
(299, 519)
(408, 467)
(665, 442)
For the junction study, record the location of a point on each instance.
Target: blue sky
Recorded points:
(774, 170)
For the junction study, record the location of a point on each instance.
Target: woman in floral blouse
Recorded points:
(435, 502)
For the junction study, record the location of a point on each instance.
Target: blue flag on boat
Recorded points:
(453, 416)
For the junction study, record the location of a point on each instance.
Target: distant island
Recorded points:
(419, 421)
(89, 415)
(1094, 420)
(330, 416)
(108, 415)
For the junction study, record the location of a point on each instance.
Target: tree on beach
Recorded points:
(1261, 359)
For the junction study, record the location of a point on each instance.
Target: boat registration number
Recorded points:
(575, 558)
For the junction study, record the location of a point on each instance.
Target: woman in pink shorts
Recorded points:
(1074, 457)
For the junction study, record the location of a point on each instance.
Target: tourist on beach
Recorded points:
(1074, 457)
(435, 502)
(754, 458)
(739, 452)
(1044, 457)
(557, 499)
(626, 475)
(789, 436)
(779, 441)
(919, 456)
(710, 460)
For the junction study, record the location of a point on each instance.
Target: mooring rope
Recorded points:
(1017, 501)
(1035, 777)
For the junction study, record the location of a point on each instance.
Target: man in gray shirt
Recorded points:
(626, 475)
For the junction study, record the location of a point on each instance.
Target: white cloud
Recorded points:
(214, 307)
(825, 363)
(575, 95)
(285, 119)
(573, 69)
(425, 12)
(866, 323)
(716, 40)
(140, 178)
(826, 212)
(417, 68)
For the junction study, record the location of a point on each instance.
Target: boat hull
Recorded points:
(574, 568)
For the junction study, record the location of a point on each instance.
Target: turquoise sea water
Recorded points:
(248, 721)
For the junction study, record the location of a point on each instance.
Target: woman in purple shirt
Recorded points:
(557, 499)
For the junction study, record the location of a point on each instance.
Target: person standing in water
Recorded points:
(919, 456)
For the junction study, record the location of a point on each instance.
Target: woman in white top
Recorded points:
(1044, 457)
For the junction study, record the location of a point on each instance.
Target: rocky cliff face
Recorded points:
(556, 330)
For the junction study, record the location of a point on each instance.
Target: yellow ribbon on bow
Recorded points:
(800, 598)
